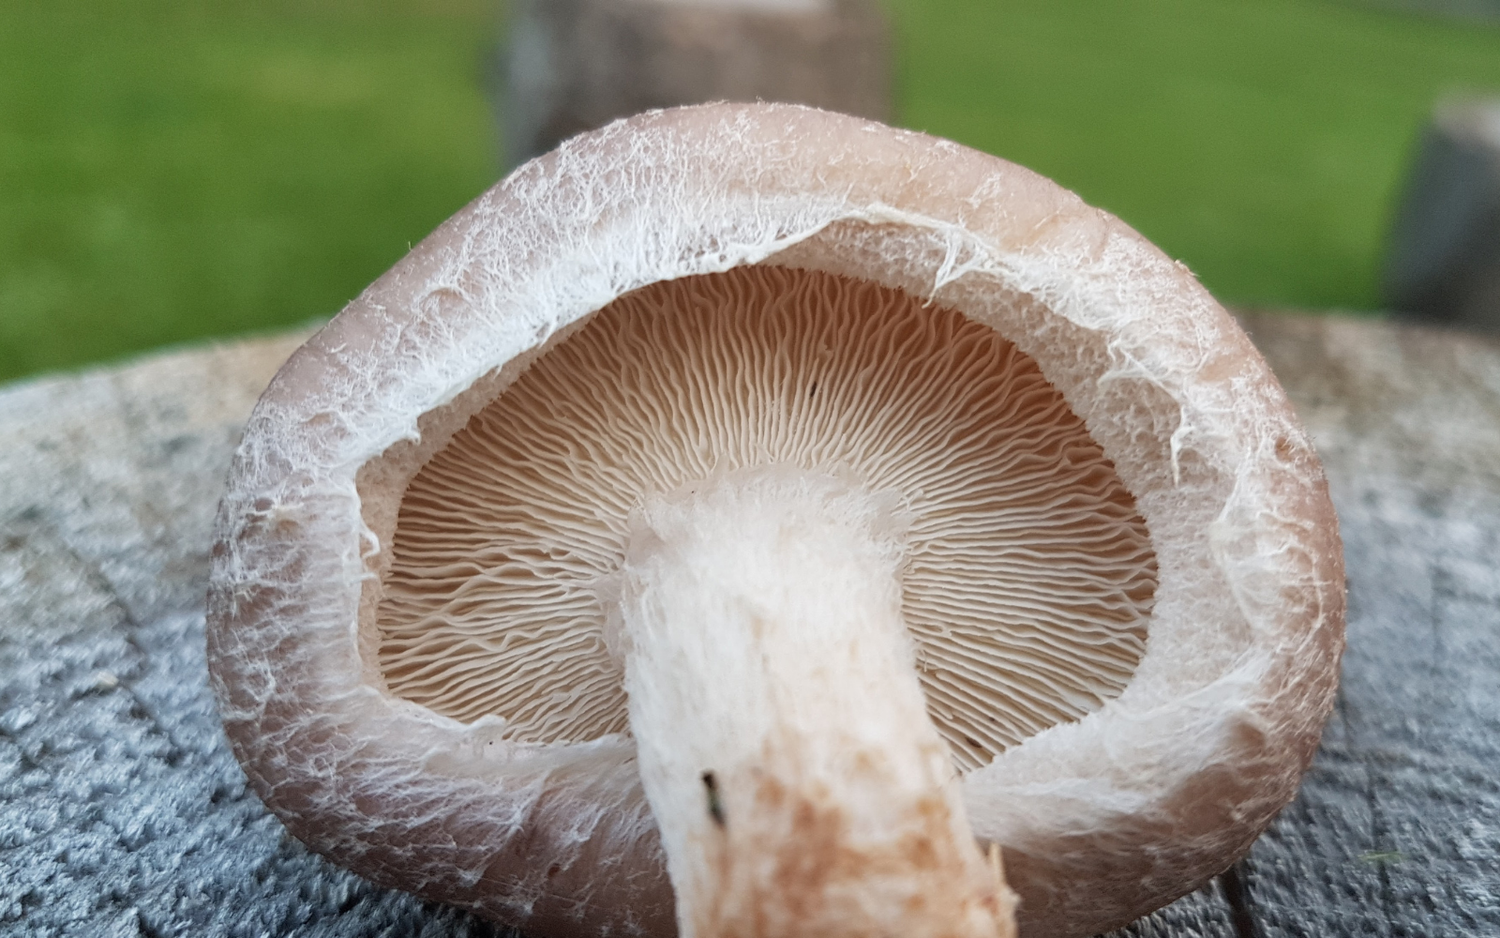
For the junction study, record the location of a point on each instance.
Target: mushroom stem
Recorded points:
(782, 735)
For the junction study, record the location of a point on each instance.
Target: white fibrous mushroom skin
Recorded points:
(752, 521)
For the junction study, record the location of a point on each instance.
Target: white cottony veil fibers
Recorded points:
(1120, 569)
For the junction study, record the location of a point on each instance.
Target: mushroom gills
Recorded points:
(1026, 573)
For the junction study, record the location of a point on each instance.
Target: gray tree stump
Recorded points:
(1444, 260)
(122, 812)
(574, 65)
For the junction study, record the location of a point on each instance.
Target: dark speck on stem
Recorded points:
(715, 806)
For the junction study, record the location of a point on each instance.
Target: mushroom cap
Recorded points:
(1103, 816)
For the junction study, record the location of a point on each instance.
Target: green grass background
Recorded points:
(176, 169)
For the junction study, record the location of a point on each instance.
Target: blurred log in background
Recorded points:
(573, 65)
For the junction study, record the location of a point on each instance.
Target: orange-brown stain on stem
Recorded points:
(789, 863)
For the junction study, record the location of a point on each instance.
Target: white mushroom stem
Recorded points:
(783, 738)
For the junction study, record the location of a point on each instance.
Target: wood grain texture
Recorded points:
(1397, 829)
(122, 812)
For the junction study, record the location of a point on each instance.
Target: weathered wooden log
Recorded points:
(1444, 262)
(573, 65)
(123, 813)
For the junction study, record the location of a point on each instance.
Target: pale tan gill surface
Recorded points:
(1029, 577)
